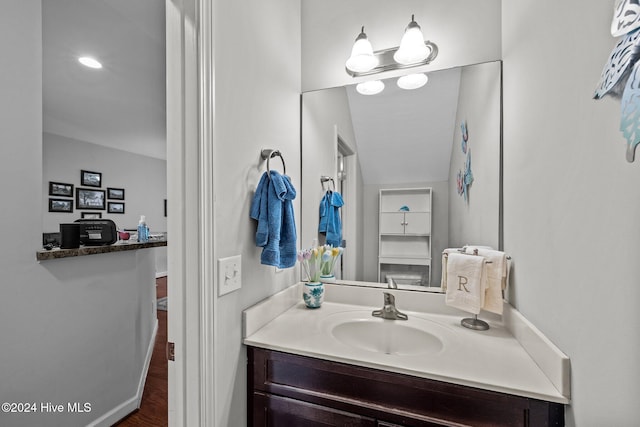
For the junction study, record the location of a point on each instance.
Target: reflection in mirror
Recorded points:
(410, 140)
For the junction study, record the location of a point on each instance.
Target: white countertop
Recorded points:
(491, 360)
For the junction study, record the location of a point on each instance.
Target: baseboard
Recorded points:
(133, 403)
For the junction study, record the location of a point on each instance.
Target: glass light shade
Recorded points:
(412, 48)
(412, 81)
(372, 87)
(89, 62)
(362, 58)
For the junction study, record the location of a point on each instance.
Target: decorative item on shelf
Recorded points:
(621, 73)
(404, 208)
(413, 51)
(318, 264)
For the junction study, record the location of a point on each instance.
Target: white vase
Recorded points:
(313, 294)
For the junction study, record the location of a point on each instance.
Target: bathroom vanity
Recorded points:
(338, 365)
(291, 390)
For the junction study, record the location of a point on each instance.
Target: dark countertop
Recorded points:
(57, 253)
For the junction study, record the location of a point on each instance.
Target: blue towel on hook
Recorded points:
(330, 222)
(273, 209)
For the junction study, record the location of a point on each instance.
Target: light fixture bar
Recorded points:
(387, 63)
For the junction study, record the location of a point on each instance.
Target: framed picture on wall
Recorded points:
(60, 189)
(115, 193)
(90, 179)
(91, 215)
(87, 198)
(115, 207)
(61, 205)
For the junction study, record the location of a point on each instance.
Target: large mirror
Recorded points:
(400, 154)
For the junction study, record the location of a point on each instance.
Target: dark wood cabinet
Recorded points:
(289, 390)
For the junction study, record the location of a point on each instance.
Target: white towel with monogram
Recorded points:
(466, 281)
(496, 277)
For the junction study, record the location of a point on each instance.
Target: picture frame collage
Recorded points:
(89, 196)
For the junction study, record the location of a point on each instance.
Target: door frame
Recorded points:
(191, 320)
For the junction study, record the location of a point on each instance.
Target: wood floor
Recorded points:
(154, 411)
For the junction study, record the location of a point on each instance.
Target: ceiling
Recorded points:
(405, 136)
(121, 105)
(399, 133)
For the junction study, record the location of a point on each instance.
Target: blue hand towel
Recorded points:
(259, 211)
(324, 213)
(273, 209)
(330, 222)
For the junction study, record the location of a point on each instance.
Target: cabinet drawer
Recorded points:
(270, 410)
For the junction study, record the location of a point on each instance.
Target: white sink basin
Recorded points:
(399, 337)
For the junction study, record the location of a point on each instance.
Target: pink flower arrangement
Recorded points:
(319, 261)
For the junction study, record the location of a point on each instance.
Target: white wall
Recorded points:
(257, 105)
(143, 178)
(53, 329)
(475, 221)
(572, 202)
(466, 32)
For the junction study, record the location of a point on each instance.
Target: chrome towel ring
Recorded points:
(331, 182)
(268, 153)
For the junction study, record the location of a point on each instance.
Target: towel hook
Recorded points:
(268, 153)
(328, 179)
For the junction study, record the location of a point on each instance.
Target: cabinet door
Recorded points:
(392, 223)
(417, 223)
(276, 411)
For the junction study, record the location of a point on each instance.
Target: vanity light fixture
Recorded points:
(371, 87)
(412, 46)
(412, 81)
(90, 62)
(414, 51)
(362, 58)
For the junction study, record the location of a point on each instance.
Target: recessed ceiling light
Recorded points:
(87, 61)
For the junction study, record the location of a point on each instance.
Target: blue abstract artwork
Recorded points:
(620, 77)
(465, 177)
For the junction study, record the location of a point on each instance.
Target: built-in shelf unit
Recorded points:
(404, 237)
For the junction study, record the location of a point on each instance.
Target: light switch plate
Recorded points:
(229, 274)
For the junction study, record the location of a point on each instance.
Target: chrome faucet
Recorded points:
(391, 284)
(389, 311)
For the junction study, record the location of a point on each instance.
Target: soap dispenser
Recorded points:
(143, 230)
